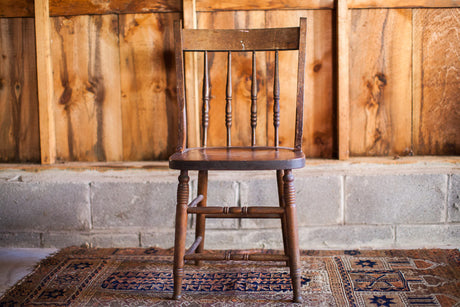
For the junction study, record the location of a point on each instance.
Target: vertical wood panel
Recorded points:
(436, 82)
(318, 110)
(19, 132)
(241, 75)
(380, 82)
(148, 83)
(87, 88)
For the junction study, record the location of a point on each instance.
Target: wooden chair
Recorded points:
(204, 159)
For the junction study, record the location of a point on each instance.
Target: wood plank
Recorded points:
(25, 8)
(148, 85)
(247, 40)
(191, 79)
(343, 82)
(45, 82)
(244, 5)
(318, 134)
(241, 77)
(362, 4)
(436, 70)
(19, 133)
(380, 82)
(87, 88)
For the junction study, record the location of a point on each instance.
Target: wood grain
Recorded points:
(19, 133)
(318, 108)
(87, 88)
(241, 77)
(360, 4)
(244, 5)
(436, 70)
(45, 82)
(148, 84)
(380, 82)
(25, 8)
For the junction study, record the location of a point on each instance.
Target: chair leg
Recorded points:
(293, 237)
(279, 179)
(200, 218)
(181, 231)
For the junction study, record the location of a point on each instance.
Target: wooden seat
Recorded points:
(251, 157)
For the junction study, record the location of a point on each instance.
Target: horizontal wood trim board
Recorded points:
(241, 40)
(25, 8)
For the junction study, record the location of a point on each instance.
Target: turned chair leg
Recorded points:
(293, 238)
(279, 179)
(181, 231)
(200, 219)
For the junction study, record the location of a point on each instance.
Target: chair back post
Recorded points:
(178, 53)
(300, 84)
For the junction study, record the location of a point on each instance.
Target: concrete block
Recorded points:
(346, 237)
(140, 204)
(220, 193)
(65, 239)
(429, 236)
(44, 206)
(395, 199)
(453, 202)
(163, 238)
(113, 239)
(20, 239)
(318, 200)
(244, 239)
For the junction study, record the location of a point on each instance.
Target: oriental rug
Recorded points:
(143, 277)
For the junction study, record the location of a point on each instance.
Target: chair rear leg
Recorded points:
(293, 237)
(200, 218)
(181, 231)
(279, 179)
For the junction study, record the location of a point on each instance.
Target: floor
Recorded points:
(15, 263)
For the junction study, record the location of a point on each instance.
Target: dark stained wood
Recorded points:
(181, 141)
(276, 100)
(436, 71)
(300, 84)
(228, 98)
(236, 256)
(237, 158)
(19, 132)
(181, 232)
(205, 95)
(253, 100)
(240, 158)
(292, 234)
(241, 40)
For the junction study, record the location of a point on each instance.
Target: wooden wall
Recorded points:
(383, 78)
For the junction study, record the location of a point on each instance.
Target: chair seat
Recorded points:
(237, 158)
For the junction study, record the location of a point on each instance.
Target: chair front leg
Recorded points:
(200, 219)
(181, 231)
(279, 179)
(293, 237)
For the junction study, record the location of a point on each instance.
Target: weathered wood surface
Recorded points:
(148, 85)
(241, 82)
(319, 126)
(402, 3)
(380, 82)
(19, 133)
(25, 8)
(45, 82)
(245, 5)
(87, 88)
(436, 70)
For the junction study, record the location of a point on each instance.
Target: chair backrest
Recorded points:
(240, 40)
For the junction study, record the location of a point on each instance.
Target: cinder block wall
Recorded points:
(340, 205)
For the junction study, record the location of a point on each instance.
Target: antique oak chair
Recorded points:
(203, 159)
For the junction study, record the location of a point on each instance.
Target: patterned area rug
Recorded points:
(143, 277)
